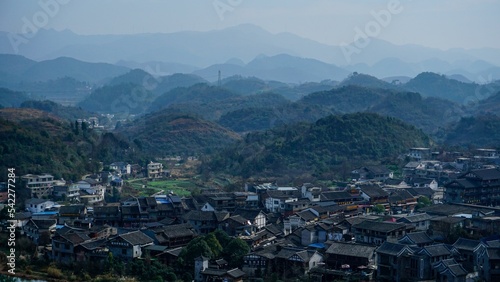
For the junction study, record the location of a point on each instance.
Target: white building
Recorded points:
(40, 185)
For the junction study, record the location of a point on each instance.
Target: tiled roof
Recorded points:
(307, 215)
(44, 223)
(466, 244)
(373, 191)
(73, 209)
(335, 195)
(136, 238)
(436, 250)
(379, 226)
(415, 218)
(487, 174)
(418, 238)
(354, 250)
(393, 249)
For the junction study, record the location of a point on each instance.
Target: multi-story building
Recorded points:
(40, 185)
(481, 187)
(155, 170)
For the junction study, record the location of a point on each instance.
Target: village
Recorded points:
(439, 221)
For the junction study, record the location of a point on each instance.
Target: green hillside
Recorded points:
(319, 147)
(164, 133)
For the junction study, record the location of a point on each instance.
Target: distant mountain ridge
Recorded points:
(182, 51)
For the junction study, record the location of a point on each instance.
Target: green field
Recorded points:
(180, 187)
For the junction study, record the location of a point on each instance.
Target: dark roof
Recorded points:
(373, 191)
(272, 228)
(94, 244)
(448, 219)
(417, 238)
(436, 250)
(393, 249)
(466, 244)
(136, 238)
(107, 210)
(36, 201)
(221, 215)
(383, 226)
(247, 213)
(393, 181)
(307, 215)
(353, 250)
(239, 219)
(73, 209)
(414, 218)
(450, 265)
(236, 273)
(91, 181)
(335, 195)
(43, 223)
(445, 209)
(76, 237)
(487, 174)
(278, 194)
(423, 191)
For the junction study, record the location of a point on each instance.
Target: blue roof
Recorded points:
(317, 245)
(162, 200)
(45, 213)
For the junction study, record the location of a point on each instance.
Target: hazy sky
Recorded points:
(434, 23)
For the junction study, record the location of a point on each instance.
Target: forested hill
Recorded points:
(166, 133)
(319, 147)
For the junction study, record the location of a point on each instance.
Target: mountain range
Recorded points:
(241, 48)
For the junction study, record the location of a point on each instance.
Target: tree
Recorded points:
(378, 209)
(197, 247)
(213, 244)
(235, 251)
(423, 201)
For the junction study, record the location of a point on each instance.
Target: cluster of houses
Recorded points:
(368, 229)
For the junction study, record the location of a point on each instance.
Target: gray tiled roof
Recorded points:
(379, 226)
(354, 250)
(136, 238)
(466, 244)
(393, 249)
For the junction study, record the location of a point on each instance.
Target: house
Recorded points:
(260, 260)
(377, 173)
(449, 270)
(68, 214)
(401, 200)
(391, 258)
(292, 262)
(36, 227)
(204, 273)
(275, 200)
(129, 245)
(69, 193)
(109, 214)
(342, 198)
(443, 226)
(64, 242)
(480, 187)
(292, 207)
(421, 221)
(205, 222)
(237, 225)
(416, 239)
(317, 233)
(372, 232)
(419, 153)
(470, 251)
(171, 236)
(39, 185)
(419, 182)
(355, 255)
(121, 167)
(256, 217)
(374, 194)
(154, 170)
(490, 264)
(35, 205)
(311, 192)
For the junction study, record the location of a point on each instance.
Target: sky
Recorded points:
(442, 24)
